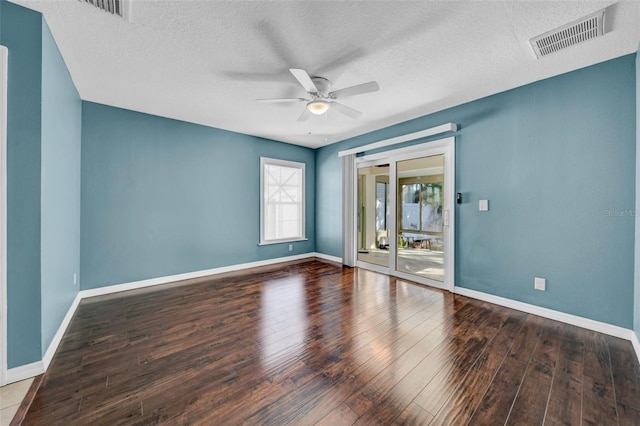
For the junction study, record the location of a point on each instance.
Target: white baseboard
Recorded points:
(636, 344)
(589, 324)
(24, 372)
(57, 338)
(188, 275)
(328, 257)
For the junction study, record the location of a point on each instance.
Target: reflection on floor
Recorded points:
(375, 256)
(422, 262)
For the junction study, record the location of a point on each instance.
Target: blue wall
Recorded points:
(43, 185)
(162, 197)
(556, 159)
(60, 219)
(22, 34)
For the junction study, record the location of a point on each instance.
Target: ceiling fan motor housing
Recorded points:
(323, 86)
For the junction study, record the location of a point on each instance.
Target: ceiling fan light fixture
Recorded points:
(318, 107)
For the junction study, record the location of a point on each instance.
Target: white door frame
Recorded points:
(4, 56)
(362, 162)
(445, 147)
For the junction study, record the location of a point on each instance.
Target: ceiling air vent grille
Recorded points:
(115, 7)
(575, 32)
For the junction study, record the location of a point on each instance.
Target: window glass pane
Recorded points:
(373, 240)
(420, 249)
(432, 207)
(382, 206)
(410, 208)
(282, 198)
(289, 212)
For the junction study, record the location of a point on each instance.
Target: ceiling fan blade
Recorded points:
(371, 86)
(353, 113)
(281, 100)
(304, 79)
(305, 115)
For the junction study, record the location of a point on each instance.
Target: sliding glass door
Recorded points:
(373, 215)
(403, 208)
(420, 184)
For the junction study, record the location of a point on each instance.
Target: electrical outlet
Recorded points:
(75, 278)
(290, 247)
(540, 284)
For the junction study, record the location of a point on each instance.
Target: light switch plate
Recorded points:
(484, 205)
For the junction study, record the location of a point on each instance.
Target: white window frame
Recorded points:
(266, 161)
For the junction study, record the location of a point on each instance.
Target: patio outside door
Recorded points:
(373, 215)
(420, 184)
(404, 208)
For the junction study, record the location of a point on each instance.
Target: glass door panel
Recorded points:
(420, 246)
(373, 215)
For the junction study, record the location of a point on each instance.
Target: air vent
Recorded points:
(115, 7)
(583, 29)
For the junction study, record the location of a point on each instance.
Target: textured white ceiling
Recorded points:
(207, 61)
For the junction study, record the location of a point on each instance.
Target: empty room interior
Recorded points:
(319, 212)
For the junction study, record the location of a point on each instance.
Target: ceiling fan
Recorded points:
(320, 98)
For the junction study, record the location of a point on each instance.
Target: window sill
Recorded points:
(270, 243)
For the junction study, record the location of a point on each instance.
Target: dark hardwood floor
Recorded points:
(314, 343)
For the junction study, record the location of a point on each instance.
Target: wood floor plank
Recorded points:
(413, 415)
(626, 372)
(597, 403)
(565, 399)
(370, 361)
(497, 401)
(598, 399)
(313, 342)
(525, 342)
(461, 352)
(315, 408)
(429, 354)
(530, 404)
(335, 372)
(435, 394)
(466, 397)
(628, 416)
(501, 393)
(548, 346)
(340, 416)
